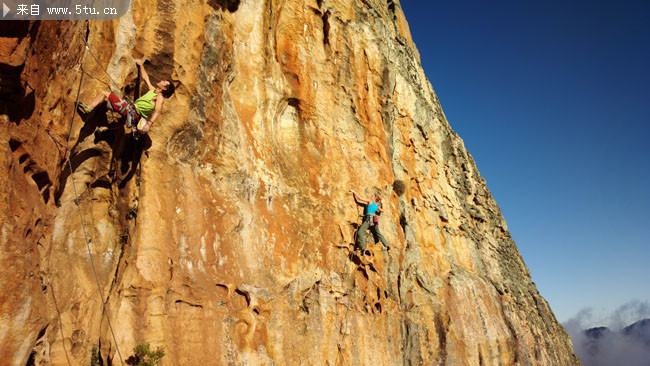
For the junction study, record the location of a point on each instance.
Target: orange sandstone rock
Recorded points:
(225, 236)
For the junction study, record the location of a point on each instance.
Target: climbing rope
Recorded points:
(350, 285)
(115, 84)
(352, 253)
(345, 326)
(78, 203)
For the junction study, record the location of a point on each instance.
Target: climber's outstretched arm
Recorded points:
(359, 200)
(156, 111)
(143, 73)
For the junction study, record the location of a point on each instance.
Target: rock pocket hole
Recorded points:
(402, 223)
(42, 180)
(222, 291)
(391, 6)
(229, 5)
(294, 102)
(243, 300)
(326, 28)
(14, 145)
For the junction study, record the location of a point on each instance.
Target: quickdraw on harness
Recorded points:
(371, 218)
(131, 116)
(128, 110)
(134, 120)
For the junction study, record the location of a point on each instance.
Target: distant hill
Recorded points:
(597, 333)
(600, 346)
(639, 331)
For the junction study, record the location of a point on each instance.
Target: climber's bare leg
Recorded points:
(103, 97)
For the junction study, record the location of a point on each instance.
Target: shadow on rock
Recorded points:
(126, 152)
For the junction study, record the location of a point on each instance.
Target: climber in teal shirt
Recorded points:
(371, 212)
(372, 207)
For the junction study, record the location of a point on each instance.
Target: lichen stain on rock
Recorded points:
(184, 143)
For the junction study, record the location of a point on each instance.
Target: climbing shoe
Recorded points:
(99, 132)
(83, 108)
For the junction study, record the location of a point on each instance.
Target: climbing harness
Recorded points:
(131, 116)
(345, 327)
(78, 203)
(373, 219)
(127, 111)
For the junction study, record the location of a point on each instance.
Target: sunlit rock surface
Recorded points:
(225, 239)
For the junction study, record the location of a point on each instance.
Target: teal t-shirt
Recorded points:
(371, 208)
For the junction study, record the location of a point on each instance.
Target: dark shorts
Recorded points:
(117, 104)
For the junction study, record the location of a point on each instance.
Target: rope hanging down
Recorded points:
(344, 326)
(115, 84)
(78, 203)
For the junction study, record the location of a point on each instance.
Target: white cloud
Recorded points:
(611, 349)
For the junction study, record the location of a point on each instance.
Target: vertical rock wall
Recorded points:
(225, 237)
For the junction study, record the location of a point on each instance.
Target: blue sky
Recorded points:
(552, 100)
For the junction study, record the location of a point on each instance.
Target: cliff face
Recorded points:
(226, 237)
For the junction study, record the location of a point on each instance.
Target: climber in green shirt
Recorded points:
(144, 111)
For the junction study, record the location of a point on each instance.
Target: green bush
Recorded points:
(143, 356)
(95, 359)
